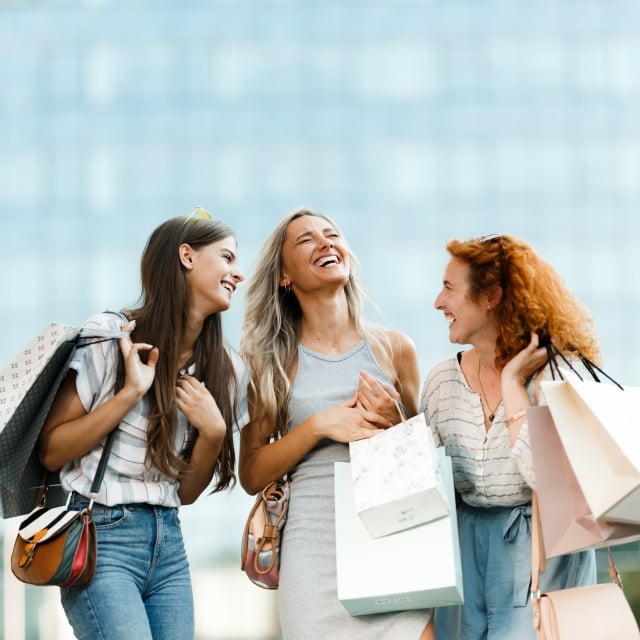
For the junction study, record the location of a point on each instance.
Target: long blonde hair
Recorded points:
(271, 324)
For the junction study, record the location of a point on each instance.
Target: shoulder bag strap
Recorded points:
(538, 560)
(102, 465)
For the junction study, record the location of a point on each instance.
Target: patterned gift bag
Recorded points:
(27, 387)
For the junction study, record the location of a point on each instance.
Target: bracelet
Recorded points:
(516, 416)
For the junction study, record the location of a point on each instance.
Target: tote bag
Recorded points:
(28, 385)
(415, 568)
(567, 523)
(597, 425)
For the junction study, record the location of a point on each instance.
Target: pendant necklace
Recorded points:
(483, 398)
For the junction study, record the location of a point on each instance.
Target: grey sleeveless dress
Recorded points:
(307, 597)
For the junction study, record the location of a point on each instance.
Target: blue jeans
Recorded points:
(142, 585)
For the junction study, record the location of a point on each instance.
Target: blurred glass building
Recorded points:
(409, 122)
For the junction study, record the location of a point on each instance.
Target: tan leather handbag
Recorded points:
(596, 612)
(260, 553)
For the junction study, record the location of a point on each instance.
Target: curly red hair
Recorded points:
(534, 298)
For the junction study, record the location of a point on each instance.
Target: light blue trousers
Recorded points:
(142, 586)
(495, 550)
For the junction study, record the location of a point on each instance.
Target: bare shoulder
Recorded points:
(398, 349)
(404, 358)
(401, 344)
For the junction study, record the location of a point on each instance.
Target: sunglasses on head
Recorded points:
(491, 237)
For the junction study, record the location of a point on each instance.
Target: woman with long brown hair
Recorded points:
(173, 415)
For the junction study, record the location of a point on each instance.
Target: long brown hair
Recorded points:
(161, 320)
(534, 298)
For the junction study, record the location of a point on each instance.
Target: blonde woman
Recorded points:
(320, 378)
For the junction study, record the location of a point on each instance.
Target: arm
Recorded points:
(407, 370)
(514, 379)
(262, 461)
(379, 400)
(70, 431)
(201, 409)
(516, 400)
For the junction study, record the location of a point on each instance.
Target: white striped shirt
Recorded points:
(488, 469)
(129, 476)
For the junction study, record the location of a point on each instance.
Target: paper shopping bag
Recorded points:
(568, 525)
(27, 387)
(397, 482)
(413, 569)
(597, 424)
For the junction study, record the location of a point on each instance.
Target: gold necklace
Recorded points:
(483, 398)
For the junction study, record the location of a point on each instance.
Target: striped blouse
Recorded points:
(129, 476)
(488, 470)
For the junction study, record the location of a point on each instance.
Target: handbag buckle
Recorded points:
(30, 548)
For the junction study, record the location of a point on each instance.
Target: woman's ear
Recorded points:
(185, 253)
(495, 297)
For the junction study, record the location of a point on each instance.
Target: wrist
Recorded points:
(130, 395)
(516, 417)
(212, 437)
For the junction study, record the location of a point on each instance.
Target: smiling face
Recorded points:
(314, 255)
(213, 274)
(468, 319)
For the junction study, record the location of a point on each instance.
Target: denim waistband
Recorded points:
(78, 501)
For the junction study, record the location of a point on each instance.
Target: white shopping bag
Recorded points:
(413, 569)
(397, 483)
(598, 426)
(566, 522)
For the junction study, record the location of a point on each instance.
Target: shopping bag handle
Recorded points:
(539, 561)
(591, 367)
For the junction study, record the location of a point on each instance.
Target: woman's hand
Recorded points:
(138, 375)
(380, 403)
(525, 363)
(70, 432)
(514, 378)
(345, 422)
(200, 408)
